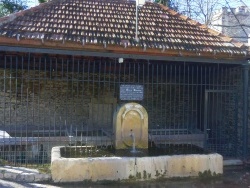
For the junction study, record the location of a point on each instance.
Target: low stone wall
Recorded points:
(21, 174)
(132, 168)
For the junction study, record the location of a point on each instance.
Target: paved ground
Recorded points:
(233, 177)
(11, 184)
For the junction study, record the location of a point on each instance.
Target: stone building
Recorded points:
(63, 64)
(234, 23)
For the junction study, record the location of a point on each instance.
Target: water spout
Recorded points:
(133, 139)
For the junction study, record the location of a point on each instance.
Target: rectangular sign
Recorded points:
(131, 92)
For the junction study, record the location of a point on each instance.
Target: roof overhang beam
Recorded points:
(199, 59)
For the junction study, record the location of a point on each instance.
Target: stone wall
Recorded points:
(67, 101)
(33, 101)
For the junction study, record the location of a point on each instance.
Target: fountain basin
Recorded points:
(132, 168)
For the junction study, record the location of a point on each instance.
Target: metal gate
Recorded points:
(48, 100)
(221, 122)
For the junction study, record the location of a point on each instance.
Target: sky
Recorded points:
(233, 3)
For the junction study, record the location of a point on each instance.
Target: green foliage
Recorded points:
(11, 6)
(42, 1)
(169, 3)
(208, 174)
(44, 169)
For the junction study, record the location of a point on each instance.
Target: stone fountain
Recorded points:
(131, 133)
(131, 127)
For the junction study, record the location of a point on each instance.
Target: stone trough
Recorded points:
(132, 168)
(131, 131)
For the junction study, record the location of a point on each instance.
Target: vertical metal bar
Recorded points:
(184, 94)
(109, 76)
(55, 113)
(202, 87)
(68, 129)
(72, 100)
(138, 73)
(4, 101)
(147, 93)
(213, 105)
(33, 100)
(16, 98)
(210, 128)
(38, 120)
(83, 97)
(9, 101)
(205, 120)
(167, 123)
(88, 89)
(227, 116)
(103, 89)
(47, 130)
(77, 94)
(174, 97)
(179, 102)
(188, 110)
(157, 94)
(129, 73)
(99, 104)
(93, 94)
(171, 87)
(161, 101)
(27, 107)
(152, 90)
(219, 131)
(237, 71)
(10, 158)
(245, 108)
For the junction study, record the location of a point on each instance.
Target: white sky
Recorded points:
(233, 3)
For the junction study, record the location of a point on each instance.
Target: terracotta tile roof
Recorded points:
(106, 23)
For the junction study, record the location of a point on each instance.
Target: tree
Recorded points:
(201, 10)
(169, 3)
(42, 1)
(12, 6)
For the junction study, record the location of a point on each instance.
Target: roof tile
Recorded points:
(112, 22)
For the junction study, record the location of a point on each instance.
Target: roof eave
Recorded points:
(98, 48)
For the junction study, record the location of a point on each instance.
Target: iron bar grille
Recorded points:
(51, 100)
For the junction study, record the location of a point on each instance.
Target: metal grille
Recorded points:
(50, 100)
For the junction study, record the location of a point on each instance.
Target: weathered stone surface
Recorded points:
(131, 127)
(10, 175)
(42, 177)
(1, 174)
(26, 177)
(22, 174)
(112, 168)
(136, 168)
